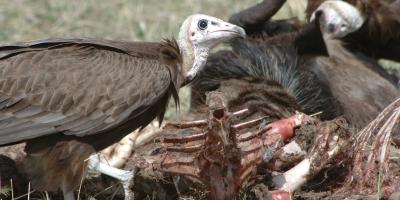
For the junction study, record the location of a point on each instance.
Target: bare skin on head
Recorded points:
(98, 91)
(349, 77)
(338, 18)
(198, 34)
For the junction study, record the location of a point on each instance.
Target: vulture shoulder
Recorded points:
(82, 86)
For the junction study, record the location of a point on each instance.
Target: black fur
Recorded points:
(267, 79)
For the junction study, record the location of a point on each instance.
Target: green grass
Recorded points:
(148, 20)
(140, 20)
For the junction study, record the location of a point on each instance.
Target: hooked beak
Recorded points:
(221, 31)
(218, 31)
(337, 18)
(227, 31)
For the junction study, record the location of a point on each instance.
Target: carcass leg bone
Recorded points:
(327, 145)
(126, 177)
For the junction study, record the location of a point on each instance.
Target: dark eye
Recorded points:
(202, 24)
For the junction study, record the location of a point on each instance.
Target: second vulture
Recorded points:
(68, 98)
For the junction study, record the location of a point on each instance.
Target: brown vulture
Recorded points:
(379, 35)
(349, 83)
(357, 84)
(68, 98)
(266, 79)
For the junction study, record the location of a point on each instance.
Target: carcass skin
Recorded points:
(223, 153)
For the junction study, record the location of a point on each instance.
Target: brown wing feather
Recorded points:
(79, 87)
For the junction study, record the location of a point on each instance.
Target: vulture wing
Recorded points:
(82, 86)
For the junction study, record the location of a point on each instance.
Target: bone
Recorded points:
(372, 149)
(248, 124)
(288, 155)
(182, 125)
(327, 145)
(126, 177)
(119, 154)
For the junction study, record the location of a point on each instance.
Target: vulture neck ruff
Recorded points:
(194, 57)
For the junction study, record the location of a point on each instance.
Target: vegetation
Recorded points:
(119, 19)
(141, 20)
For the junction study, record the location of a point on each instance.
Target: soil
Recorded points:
(330, 183)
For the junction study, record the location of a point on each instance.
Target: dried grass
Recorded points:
(142, 20)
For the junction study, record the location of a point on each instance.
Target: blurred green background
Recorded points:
(148, 20)
(140, 20)
(116, 19)
(144, 20)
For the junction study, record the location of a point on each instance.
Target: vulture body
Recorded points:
(68, 98)
(78, 88)
(361, 92)
(360, 86)
(354, 80)
(379, 36)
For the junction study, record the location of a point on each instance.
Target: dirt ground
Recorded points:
(329, 183)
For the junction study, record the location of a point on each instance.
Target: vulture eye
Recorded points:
(203, 23)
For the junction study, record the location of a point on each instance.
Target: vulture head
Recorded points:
(198, 34)
(337, 18)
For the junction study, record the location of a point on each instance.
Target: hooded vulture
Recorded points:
(360, 88)
(68, 98)
(379, 34)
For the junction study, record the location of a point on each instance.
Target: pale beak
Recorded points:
(218, 31)
(227, 31)
(338, 18)
(221, 31)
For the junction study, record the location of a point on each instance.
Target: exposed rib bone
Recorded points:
(240, 112)
(187, 149)
(248, 124)
(183, 125)
(185, 139)
(372, 149)
(224, 156)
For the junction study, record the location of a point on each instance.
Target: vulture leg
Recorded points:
(126, 177)
(69, 195)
